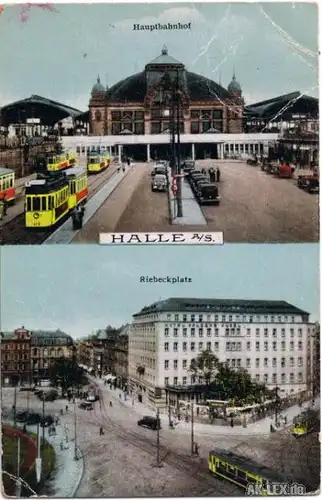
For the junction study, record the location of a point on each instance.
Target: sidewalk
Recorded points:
(192, 213)
(259, 428)
(68, 472)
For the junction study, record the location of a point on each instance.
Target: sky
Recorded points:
(82, 288)
(272, 47)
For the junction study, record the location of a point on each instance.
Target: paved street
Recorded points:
(126, 451)
(255, 207)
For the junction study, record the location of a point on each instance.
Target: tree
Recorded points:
(65, 373)
(205, 365)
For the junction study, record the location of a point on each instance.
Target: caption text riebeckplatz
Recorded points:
(165, 279)
(159, 26)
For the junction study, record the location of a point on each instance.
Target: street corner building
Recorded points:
(273, 340)
(26, 356)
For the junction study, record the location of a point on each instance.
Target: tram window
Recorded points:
(251, 479)
(51, 161)
(28, 204)
(11, 182)
(241, 474)
(43, 203)
(36, 203)
(264, 483)
(231, 469)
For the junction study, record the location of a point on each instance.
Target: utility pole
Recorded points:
(276, 404)
(169, 408)
(15, 407)
(75, 430)
(192, 431)
(18, 483)
(158, 464)
(43, 427)
(179, 180)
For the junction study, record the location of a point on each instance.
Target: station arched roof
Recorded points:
(48, 111)
(286, 106)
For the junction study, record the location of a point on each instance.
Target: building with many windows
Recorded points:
(268, 338)
(45, 347)
(15, 356)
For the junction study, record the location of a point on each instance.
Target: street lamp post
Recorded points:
(192, 431)
(75, 431)
(179, 181)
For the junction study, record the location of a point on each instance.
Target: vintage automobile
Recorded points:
(86, 405)
(310, 183)
(159, 183)
(207, 194)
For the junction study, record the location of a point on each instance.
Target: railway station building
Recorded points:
(270, 339)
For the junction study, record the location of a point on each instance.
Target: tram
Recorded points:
(52, 196)
(7, 184)
(304, 423)
(97, 162)
(62, 161)
(243, 471)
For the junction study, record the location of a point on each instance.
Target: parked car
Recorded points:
(189, 166)
(159, 183)
(160, 170)
(150, 422)
(208, 194)
(46, 421)
(22, 416)
(85, 405)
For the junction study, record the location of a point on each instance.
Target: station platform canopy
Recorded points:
(49, 112)
(288, 107)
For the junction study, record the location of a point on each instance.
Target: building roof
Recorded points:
(35, 106)
(294, 103)
(194, 305)
(234, 86)
(198, 87)
(165, 59)
(98, 87)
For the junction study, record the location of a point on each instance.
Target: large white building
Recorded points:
(269, 338)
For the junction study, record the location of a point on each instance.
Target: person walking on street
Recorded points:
(66, 408)
(218, 174)
(101, 431)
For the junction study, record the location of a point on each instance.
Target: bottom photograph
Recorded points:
(160, 371)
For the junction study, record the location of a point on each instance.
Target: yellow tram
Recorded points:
(243, 471)
(61, 161)
(304, 423)
(51, 197)
(98, 162)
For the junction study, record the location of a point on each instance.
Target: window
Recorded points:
(292, 332)
(208, 346)
(184, 364)
(175, 364)
(257, 362)
(250, 319)
(175, 346)
(257, 346)
(176, 317)
(248, 363)
(216, 344)
(192, 318)
(272, 319)
(265, 377)
(274, 346)
(265, 346)
(300, 377)
(200, 332)
(248, 332)
(274, 332)
(184, 380)
(283, 332)
(265, 332)
(184, 317)
(184, 332)
(192, 332)
(228, 346)
(166, 332)
(166, 381)
(208, 332)
(257, 332)
(175, 332)
(248, 346)
(192, 346)
(216, 317)
(233, 363)
(223, 318)
(169, 316)
(257, 378)
(279, 319)
(291, 361)
(227, 331)
(292, 346)
(274, 378)
(265, 362)
(299, 332)
(175, 380)
(194, 128)
(184, 346)
(200, 346)
(200, 317)
(216, 332)
(166, 365)
(238, 363)
(283, 362)
(283, 345)
(299, 361)
(292, 319)
(230, 318)
(166, 346)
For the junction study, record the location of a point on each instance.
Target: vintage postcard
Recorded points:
(162, 376)
(133, 118)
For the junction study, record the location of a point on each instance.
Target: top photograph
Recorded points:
(159, 118)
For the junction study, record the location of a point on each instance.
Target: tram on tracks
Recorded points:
(243, 471)
(7, 185)
(304, 423)
(59, 162)
(52, 196)
(97, 162)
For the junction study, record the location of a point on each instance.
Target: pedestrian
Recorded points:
(119, 169)
(24, 428)
(66, 408)
(129, 162)
(111, 404)
(61, 445)
(101, 431)
(196, 449)
(62, 411)
(218, 174)
(123, 168)
(120, 395)
(232, 423)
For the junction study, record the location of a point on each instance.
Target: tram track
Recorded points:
(183, 463)
(15, 233)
